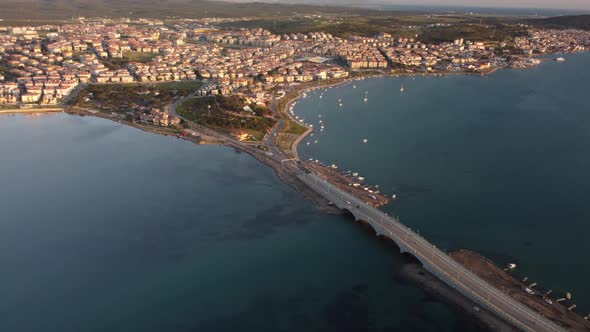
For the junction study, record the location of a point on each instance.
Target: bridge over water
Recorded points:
(433, 259)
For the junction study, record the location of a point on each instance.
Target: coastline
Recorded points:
(293, 99)
(319, 201)
(31, 110)
(328, 85)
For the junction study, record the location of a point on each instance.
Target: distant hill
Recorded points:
(578, 22)
(63, 9)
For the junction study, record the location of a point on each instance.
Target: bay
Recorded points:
(494, 164)
(107, 228)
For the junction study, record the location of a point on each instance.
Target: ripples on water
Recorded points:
(106, 227)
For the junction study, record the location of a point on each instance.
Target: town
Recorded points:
(44, 64)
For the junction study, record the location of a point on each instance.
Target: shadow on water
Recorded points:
(386, 242)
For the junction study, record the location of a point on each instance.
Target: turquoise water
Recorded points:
(108, 228)
(496, 164)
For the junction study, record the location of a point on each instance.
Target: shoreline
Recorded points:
(320, 202)
(31, 110)
(541, 57)
(294, 99)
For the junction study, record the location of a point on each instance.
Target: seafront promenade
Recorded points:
(31, 110)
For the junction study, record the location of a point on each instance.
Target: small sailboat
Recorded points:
(366, 99)
(402, 88)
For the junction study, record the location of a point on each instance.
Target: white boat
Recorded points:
(365, 140)
(361, 178)
(366, 99)
(393, 196)
(512, 266)
(560, 59)
(402, 88)
(355, 174)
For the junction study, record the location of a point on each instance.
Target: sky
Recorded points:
(560, 4)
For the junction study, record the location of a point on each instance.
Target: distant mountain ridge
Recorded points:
(63, 9)
(578, 22)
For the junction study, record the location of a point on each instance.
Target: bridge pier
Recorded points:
(433, 259)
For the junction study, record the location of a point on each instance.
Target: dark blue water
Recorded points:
(107, 228)
(496, 164)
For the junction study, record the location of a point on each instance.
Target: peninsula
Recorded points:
(213, 80)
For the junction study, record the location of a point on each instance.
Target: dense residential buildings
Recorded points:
(43, 64)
